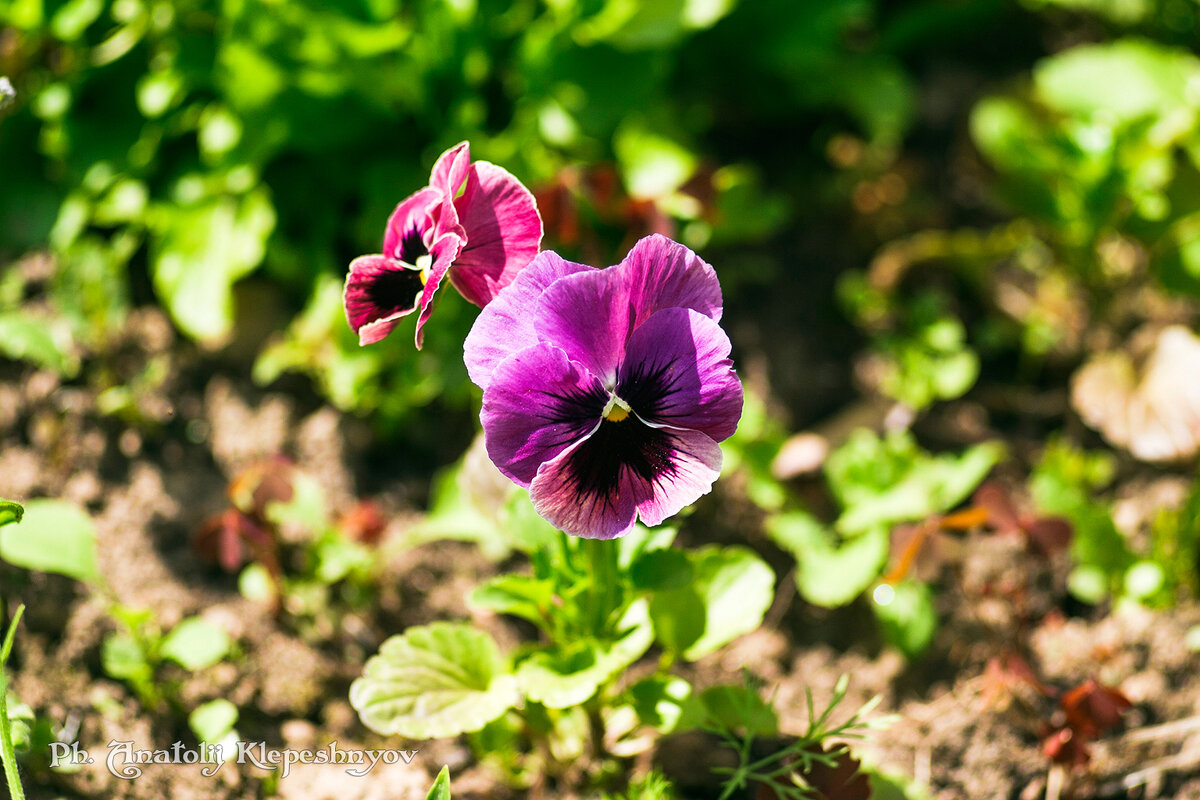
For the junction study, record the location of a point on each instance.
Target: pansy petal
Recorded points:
(598, 487)
(695, 465)
(414, 215)
(503, 230)
(538, 404)
(677, 372)
(661, 273)
(444, 251)
(450, 170)
(505, 325)
(588, 315)
(579, 510)
(379, 292)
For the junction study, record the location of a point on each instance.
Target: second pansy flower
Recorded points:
(607, 391)
(474, 223)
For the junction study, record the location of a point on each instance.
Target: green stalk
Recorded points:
(602, 560)
(7, 751)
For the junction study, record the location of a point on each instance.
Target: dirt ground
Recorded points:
(960, 730)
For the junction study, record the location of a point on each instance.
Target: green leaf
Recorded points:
(200, 251)
(10, 512)
(652, 165)
(880, 482)
(24, 337)
(337, 557)
(566, 679)
(732, 708)
(518, 595)
(659, 699)
(906, 615)
(434, 681)
(441, 787)
(828, 573)
(21, 717)
(214, 720)
(641, 540)
(1126, 80)
(122, 657)
(305, 510)
(54, 536)
(661, 570)
(195, 644)
(731, 591)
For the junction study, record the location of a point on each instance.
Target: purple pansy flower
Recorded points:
(605, 392)
(489, 232)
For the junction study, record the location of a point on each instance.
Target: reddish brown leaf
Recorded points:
(997, 500)
(1093, 709)
(1048, 535)
(843, 780)
(1063, 746)
(263, 483)
(364, 523)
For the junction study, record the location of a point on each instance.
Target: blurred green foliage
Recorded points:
(166, 151)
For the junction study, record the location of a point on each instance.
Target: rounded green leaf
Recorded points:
(731, 590)
(54, 536)
(829, 574)
(434, 681)
(907, 616)
(213, 720)
(195, 644)
(198, 252)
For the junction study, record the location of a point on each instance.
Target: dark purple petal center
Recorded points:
(594, 468)
(412, 247)
(646, 387)
(396, 290)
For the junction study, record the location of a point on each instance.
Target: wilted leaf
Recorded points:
(1145, 398)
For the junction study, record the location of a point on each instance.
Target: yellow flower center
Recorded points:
(616, 410)
(424, 263)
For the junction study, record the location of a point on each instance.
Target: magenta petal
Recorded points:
(592, 515)
(505, 325)
(444, 251)
(414, 214)
(588, 315)
(370, 281)
(450, 170)
(598, 487)
(503, 231)
(539, 403)
(662, 274)
(695, 466)
(677, 372)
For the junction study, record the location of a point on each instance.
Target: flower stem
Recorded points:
(7, 751)
(602, 561)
